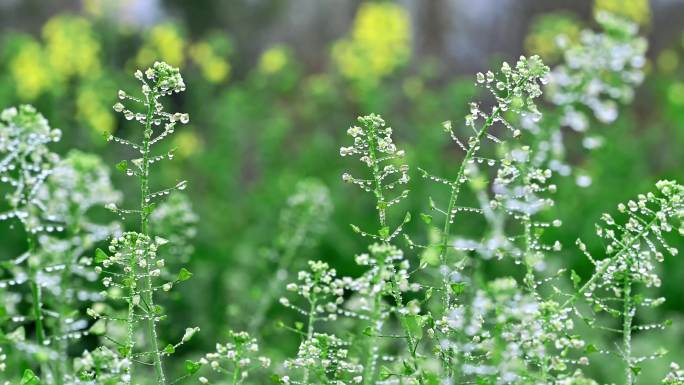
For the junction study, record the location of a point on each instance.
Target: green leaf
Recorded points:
(368, 331)
(458, 288)
(636, 370)
(122, 166)
(123, 350)
(426, 218)
(169, 349)
(299, 325)
(191, 367)
(30, 378)
(428, 293)
(355, 228)
(184, 274)
(100, 255)
(385, 373)
(575, 279)
(384, 232)
(407, 217)
(414, 324)
(591, 348)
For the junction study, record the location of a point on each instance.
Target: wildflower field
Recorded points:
(341, 192)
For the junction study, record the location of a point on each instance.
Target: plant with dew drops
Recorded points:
(301, 223)
(132, 271)
(675, 377)
(26, 163)
(387, 272)
(321, 358)
(634, 247)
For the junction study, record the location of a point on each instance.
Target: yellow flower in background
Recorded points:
(186, 143)
(380, 42)
(668, 60)
(214, 68)
(71, 47)
(162, 42)
(94, 111)
(548, 33)
(29, 71)
(273, 59)
(636, 10)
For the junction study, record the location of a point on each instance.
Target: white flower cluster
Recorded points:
(102, 365)
(373, 143)
(159, 80)
(325, 356)
(322, 290)
(675, 376)
(26, 161)
(599, 72)
(237, 357)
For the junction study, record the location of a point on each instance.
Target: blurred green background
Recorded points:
(272, 87)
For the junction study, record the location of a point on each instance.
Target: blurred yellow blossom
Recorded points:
(163, 42)
(29, 71)
(273, 59)
(93, 110)
(636, 10)
(71, 47)
(668, 60)
(214, 68)
(186, 143)
(379, 43)
(549, 32)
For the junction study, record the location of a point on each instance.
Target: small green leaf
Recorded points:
(426, 218)
(414, 325)
(591, 349)
(368, 331)
(299, 325)
(428, 293)
(122, 166)
(384, 232)
(280, 324)
(184, 274)
(636, 370)
(575, 279)
(407, 217)
(355, 228)
(123, 350)
(30, 378)
(169, 349)
(458, 288)
(385, 373)
(100, 255)
(191, 367)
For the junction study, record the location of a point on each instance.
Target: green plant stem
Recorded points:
(310, 329)
(453, 198)
(381, 205)
(36, 295)
(627, 318)
(144, 226)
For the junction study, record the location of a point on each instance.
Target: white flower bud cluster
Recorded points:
(327, 355)
(675, 376)
(321, 288)
(375, 148)
(159, 80)
(239, 355)
(599, 73)
(103, 365)
(25, 163)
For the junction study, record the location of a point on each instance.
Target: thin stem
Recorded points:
(37, 296)
(377, 178)
(310, 329)
(455, 190)
(628, 316)
(144, 226)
